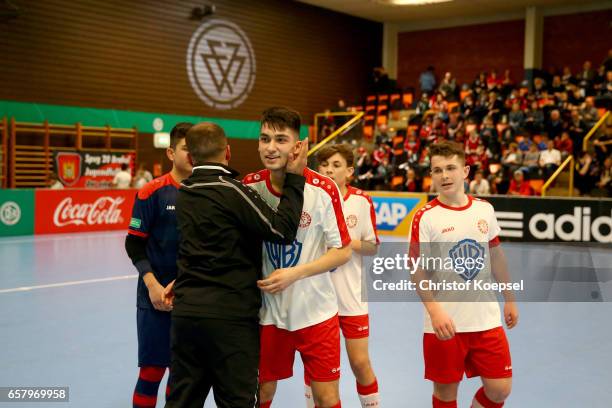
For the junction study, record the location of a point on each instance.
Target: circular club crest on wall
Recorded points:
(221, 64)
(483, 226)
(351, 221)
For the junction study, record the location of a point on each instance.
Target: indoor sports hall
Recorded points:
(91, 95)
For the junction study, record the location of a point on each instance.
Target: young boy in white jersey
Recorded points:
(462, 336)
(336, 162)
(299, 308)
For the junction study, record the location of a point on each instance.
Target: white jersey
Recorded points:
(361, 222)
(463, 229)
(311, 300)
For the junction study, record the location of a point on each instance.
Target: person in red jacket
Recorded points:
(518, 186)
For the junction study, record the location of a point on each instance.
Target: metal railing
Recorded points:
(585, 141)
(338, 132)
(569, 161)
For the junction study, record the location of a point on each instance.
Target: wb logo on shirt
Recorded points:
(468, 258)
(284, 256)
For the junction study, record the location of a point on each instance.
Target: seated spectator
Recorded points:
(550, 160)
(539, 86)
(479, 186)
(438, 130)
(604, 184)
(448, 87)
(534, 121)
(512, 159)
(557, 86)
(494, 106)
(567, 77)
(488, 133)
(518, 185)
(531, 163)
(586, 174)
(589, 113)
(381, 153)
(525, 144)
(422, 105)
(426, 129)
(577, 130)
(554, 126)
(411, 181)
(493, 82)
(564, 144)
(472, 143)
(440, 106)
(480, 83)
(412, 146)
(507, 83)
(142, 177)
(455, 124)
(477, 160)
(516, 117)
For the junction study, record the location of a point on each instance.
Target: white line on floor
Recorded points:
(71, 283)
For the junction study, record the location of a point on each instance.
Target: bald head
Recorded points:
(206, 142)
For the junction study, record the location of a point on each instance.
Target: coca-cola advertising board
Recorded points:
(89, 169)
(59, 211)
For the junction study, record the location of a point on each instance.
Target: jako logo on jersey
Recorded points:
(468, 249)
(544, 226)
(391, 211)
(170, 207)
(284, 256)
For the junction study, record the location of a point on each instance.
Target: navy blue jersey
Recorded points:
(154, 219)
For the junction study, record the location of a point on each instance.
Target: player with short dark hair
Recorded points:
(336, 162)
(300, 308)
(463, 330)
(152, 244)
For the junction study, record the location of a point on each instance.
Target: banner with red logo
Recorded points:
(69, 210)
(88, 168)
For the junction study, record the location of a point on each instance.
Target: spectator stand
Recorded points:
(338, 135)
(32, 146)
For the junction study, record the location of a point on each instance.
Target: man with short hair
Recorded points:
(123, 178)
(300, 308)
(463, 330)
(152, 244)
(222, 223)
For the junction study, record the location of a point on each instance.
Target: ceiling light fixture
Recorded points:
(411, 2)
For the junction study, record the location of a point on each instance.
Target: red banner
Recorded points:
(68, 210)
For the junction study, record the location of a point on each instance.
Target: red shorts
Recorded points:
(319, 346)
(485, 354)
(355, 327)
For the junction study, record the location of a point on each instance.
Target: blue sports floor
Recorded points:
(76, 326)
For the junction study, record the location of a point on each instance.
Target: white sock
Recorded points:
(308, 396)
(369, 401)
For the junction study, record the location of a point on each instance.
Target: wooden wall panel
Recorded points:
(572, 39)
(131, 55)
(464, 51)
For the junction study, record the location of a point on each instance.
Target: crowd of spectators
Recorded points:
(513, 133)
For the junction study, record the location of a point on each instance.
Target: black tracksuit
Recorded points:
(215, 331)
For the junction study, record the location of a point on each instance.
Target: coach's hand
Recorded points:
(443, 325)
(167, 296)
(297, 160)
(511, 314)
(279, 280)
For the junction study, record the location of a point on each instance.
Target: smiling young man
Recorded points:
(464, 335)
(300, 309)
(336, 162)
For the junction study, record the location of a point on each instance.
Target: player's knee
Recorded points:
(360, 365)
(445, 392)
(499, 392)
(267, 391)
(326, 398)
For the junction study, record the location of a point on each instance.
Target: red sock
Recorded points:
(483, 400)
(145, 393)
(266, 404)
(367, 389)
(338, 405)
(438, 403)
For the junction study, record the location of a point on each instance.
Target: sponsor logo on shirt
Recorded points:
(448, 229)
(468, 249)
(284, 256)
(170, 207)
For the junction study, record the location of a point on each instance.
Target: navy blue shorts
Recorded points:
(153, 329)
